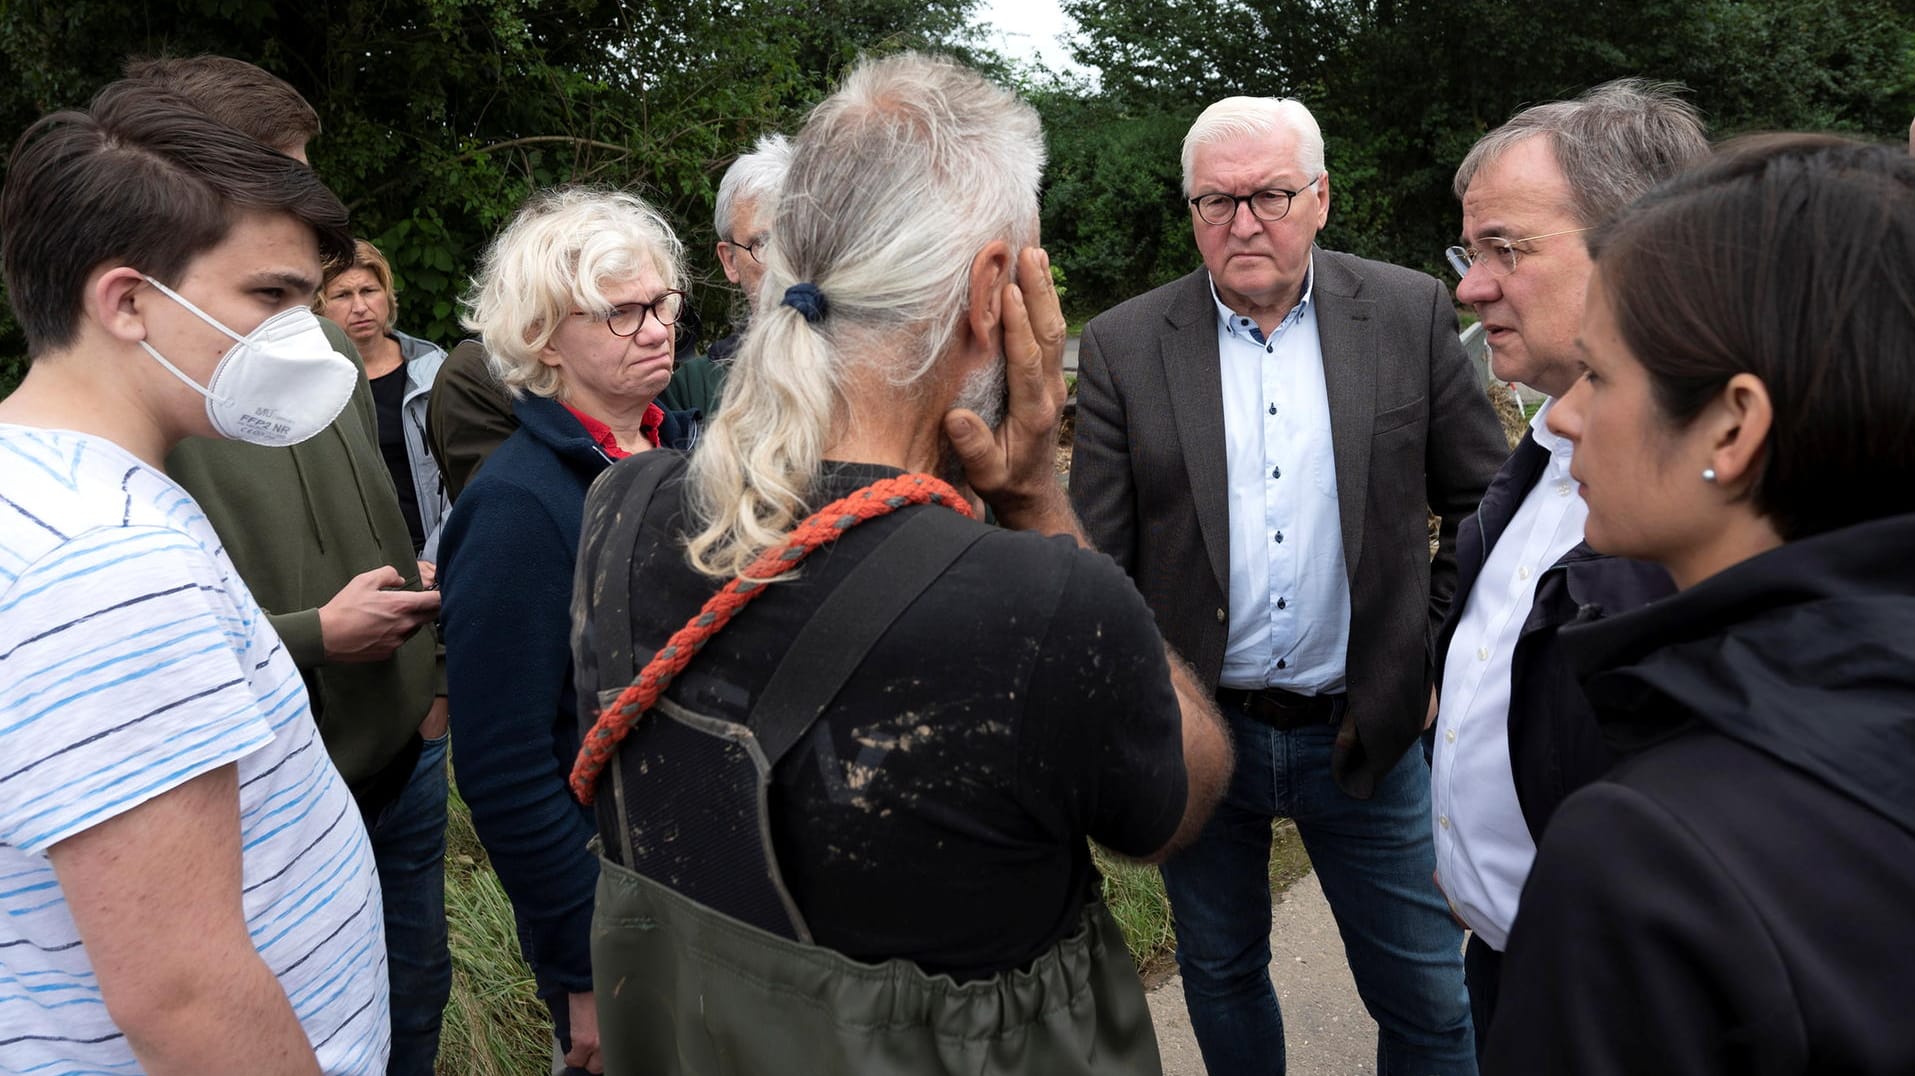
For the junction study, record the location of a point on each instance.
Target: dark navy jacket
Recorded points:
(505, 569)
(1554, 747)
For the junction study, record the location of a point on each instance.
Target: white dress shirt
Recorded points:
(1289, 596)
(1483, 846)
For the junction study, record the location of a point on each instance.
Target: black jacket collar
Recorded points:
(1806, 652)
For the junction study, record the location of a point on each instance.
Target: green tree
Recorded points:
(440, 116)
(1112, 212)
(1403, 87)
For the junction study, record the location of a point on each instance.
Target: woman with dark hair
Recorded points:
(1735, 897)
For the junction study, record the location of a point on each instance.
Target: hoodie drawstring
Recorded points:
(306, 496)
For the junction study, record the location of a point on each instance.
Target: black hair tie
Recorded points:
(806, 299)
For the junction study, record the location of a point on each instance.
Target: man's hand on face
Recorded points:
(1014, 467)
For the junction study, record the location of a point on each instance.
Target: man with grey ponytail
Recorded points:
(863, 780)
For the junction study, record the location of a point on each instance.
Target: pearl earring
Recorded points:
(1709, 474)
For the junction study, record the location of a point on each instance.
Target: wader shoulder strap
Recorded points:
(857, 613)
(615, 510)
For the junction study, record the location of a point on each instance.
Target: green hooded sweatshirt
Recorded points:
(299, 523)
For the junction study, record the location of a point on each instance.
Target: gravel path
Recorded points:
(1326, 1030)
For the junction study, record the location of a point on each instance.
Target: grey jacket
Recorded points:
(422, 360)
(1412, 433)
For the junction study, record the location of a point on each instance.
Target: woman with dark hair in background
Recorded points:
(1735, 897)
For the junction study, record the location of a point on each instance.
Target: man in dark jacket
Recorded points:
(1260, 444)
(317, 534)
(1514, 734)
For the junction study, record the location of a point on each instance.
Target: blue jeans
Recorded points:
(409, 845)
(1374, 859)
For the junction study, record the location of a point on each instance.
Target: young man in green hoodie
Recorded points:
(317, 534)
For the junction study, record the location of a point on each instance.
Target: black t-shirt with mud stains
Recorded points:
(938, 810)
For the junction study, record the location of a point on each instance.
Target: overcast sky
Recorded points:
(1029, 29)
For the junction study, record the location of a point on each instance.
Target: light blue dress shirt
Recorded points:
(1289, 595)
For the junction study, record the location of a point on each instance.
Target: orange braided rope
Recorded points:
(877, 499)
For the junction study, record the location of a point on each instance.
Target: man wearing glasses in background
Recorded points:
(1260, 444)
(747, 199)
(1514, 734)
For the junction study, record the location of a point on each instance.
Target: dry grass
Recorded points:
(1509, 412)
(495, 1024)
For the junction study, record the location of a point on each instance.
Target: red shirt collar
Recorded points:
(601, 434)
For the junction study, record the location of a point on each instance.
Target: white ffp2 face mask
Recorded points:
(278, 385)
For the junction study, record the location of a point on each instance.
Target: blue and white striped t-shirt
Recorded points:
(132, 659)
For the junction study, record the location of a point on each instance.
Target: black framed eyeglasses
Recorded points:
(626, 319)
(752, 248)
(1266, 205)
(1500, 254)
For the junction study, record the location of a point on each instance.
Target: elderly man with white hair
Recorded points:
(747, 201)
(1260, 444)
(848, 742)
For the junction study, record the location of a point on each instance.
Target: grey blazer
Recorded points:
(1411, 430)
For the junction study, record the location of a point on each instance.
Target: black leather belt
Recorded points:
(1283, 710)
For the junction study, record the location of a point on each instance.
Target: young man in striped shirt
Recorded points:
(185, 882)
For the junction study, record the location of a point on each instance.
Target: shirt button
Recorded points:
(1279, 537)
(1482, 653)
(1443, 820)
(1276, 472)
(1282, 664)
(1562, 489)
(1280, 603)
(1221, 616)
(1450, 735)
(1273, 409)
(1523, 572)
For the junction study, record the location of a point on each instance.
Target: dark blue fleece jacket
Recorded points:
(505, 570)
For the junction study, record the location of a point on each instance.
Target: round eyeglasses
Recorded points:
(1496, 252)
(626, 319)
(1272, 204)
(752, 248)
